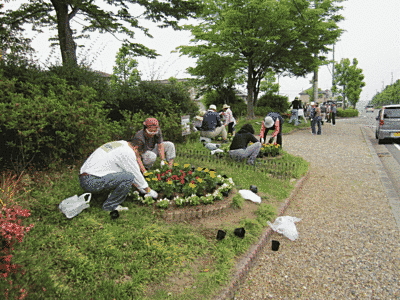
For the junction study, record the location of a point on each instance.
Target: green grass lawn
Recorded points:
(94, 257)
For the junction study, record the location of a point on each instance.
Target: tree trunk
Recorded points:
(65, 34)
(250, 92)
(315, 85)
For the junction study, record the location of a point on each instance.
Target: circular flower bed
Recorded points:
(185, 185)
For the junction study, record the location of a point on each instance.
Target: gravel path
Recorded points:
(349, 243)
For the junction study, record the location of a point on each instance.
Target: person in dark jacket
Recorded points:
(273, 121)
(212, 126)
(239, 150)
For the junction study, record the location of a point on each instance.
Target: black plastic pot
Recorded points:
(114, 214)
(239, 232)
(221, 235)
(254, 189)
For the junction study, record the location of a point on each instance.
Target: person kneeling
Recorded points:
(239, 150)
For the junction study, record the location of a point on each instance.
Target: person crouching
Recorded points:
(239, 149)
(148, 143)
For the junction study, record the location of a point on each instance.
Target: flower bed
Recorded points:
(270, 150)
(185, 185)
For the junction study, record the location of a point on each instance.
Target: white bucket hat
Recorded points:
(268, 122)
(225, 106)
(212, 106)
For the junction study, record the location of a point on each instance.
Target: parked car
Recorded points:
(388, 125)
(369, 108)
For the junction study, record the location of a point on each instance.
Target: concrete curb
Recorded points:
(391, 193)
(247, 261)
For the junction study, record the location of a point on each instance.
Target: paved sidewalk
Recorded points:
(349, 244)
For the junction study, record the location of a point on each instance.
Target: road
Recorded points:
(389, 154)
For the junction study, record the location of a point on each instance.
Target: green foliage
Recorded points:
(111, 16)
(279, 36)
(152, 97)
(265, 212)
(390, 95)
(347, 113)
(225, 96)
(271, 103)
(350, 78)
(170, 125)
(237, 201)
(50, 122)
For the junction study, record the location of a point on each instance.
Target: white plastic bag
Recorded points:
(74, 205)
(249, 195)
(285, 225)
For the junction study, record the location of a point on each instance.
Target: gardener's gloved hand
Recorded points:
(152, 194)
(261, 140)
(163, 163)
(271, 140)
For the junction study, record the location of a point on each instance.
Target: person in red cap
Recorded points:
(148, 143)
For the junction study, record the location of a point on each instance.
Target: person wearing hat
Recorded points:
(316, 119)
(273, 121)
(148, 143)
(229, 119)
(296, 105)
(113, 168)
(212, 126)
(239, 150)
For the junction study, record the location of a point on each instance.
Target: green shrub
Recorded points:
(238, 106)
(347, 113)
(271, 103)
(49, 123)
(170, 125)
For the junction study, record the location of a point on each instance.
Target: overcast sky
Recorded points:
(372, 35)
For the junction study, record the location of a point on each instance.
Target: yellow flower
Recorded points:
(212, 174)
(206, 170)
(155, 178)
(199, 180)
(169, 182)
(192, 185)
(186, 165)
(176, 164)
(148, 179)
(199, 169)
(147, 173)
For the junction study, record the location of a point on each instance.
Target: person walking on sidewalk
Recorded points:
(273, 121)
(315, 115)
(333, 114)
(239, 150)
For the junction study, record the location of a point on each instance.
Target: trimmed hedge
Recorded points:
(347, 113)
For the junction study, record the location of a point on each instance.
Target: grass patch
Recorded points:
(137, 256)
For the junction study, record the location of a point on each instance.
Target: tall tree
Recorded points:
(350, 78)
(260, 35)
(113, 16)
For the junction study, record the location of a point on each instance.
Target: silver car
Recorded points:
(388, 126)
